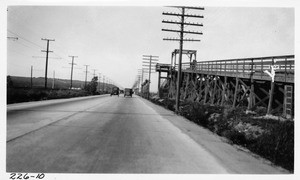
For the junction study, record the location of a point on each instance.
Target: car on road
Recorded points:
(114, 91)
(128, 92)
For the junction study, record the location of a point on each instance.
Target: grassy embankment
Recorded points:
(270, 138)
(19, 89)
(16, 95)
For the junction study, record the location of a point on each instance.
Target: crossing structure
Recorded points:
(250, 82)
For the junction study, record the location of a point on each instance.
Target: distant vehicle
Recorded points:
(128, 92)
(114, 91)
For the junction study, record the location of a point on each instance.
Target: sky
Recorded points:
(113, 39)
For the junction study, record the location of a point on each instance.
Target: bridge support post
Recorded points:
(271, 93)
(224, 90)
(251, 95)
(214, 90)
(187, 81)
(159, 76)
(235, 91)
(199, 95)
(206, 90)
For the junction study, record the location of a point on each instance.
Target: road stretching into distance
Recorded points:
(103, 134)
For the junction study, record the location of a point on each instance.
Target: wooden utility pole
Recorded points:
(150, 60)
(72, 64)
(103, 83)
(141, 78)
(158, 88)
(94, 74)
(142, 81)
(182, 24)
(53, 80)
(99, 79)
(31, 77)
(47, 52)
(86, 71)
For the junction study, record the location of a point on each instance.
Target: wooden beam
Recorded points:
(214, 90)
(235, 91)
(187, 81)
(224, 90)
(261, 101)
(206, 90)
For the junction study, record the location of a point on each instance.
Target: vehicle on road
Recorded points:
(114, 91)
(128, 92)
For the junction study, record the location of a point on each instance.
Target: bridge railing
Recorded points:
(283, 65)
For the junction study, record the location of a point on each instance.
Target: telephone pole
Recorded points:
(94, 74)
(47, 52)
(53, 81)
(182, 32)
(149, 59)
(86, 71)
(140, 74)
(103, 83)
(31, 72)
(99, 79)
(72, 64)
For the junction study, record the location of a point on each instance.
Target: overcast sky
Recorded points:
(112, 39)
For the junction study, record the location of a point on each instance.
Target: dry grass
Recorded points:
(267, 137)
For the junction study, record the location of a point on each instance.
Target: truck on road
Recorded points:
(128, 92)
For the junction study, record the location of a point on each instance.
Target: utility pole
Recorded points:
(31, 72)
(149, 59)
(86, 71)
(106, 84)
(94, 74)
(142, 79)
(99, 79)
(72, 64)
(182, 24)
(140, 74)
(53, 81)
(47, 52)
(103, 83)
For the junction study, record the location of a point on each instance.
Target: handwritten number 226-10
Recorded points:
(25, 176)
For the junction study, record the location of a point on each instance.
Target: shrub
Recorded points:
(15, 95)
(271, 139)
(277, 144)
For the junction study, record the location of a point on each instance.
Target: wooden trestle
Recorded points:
(235, 82)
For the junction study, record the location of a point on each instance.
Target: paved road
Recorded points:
(103, 134)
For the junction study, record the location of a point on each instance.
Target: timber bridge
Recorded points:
(250, 82)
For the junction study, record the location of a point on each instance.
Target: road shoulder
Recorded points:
(236, 158)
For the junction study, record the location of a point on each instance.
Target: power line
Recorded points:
(25, 39)
(36, 45)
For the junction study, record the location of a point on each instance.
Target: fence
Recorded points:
(245, 68)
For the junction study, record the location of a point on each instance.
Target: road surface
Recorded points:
(103, 134)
